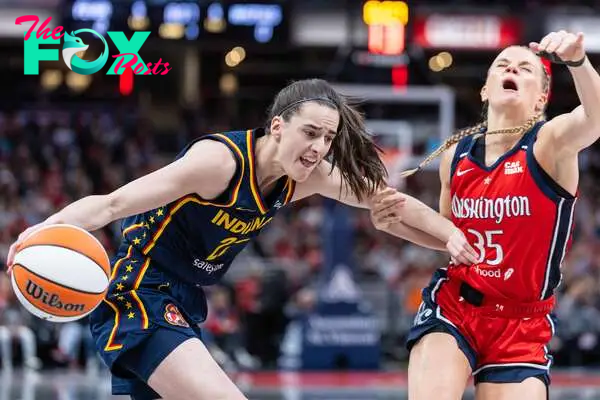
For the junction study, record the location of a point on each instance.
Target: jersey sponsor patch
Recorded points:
(513, 167)
(174, 317)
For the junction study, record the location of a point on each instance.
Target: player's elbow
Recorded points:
(115, 206)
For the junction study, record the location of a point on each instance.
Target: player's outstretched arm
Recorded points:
(574, 131)
(328, 182)
(205, 169)
(420, 224)
(384, 221)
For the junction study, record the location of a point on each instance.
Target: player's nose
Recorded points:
(511, 69)
(318, 146)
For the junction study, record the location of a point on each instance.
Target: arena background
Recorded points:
(319, 307)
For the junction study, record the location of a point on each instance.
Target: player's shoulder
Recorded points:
(446, 160)
(215, 155)
(449, 153)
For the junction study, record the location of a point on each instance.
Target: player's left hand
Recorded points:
(12, 251)
(385, 208)
(568, 46)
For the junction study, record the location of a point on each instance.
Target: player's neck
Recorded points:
(504, 120)
(268, 169)
(510, 118)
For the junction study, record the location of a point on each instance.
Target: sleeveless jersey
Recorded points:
(197, 239)
(516, 217)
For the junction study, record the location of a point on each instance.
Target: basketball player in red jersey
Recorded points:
(513, 194)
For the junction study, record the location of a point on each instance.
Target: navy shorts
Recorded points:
(141, 361)
(495, 352)
(146, 314)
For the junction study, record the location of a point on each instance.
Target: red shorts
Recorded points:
(502, 343)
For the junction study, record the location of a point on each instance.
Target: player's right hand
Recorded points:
(460, 250)
(10, 259)
(385, 208)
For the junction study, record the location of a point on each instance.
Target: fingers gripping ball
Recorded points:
(61, 273)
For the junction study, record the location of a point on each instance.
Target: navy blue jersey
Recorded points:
(197, 239)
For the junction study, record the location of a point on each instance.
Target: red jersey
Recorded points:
(516, 217)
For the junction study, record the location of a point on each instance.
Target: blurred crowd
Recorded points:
(49, 158)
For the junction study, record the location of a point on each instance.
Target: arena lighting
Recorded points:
(388, 40)
(51, 79)
(98, 12)
(240, 52)
(215, 18)
(434, 64)
(400, 76)
(126, 82)
(77, 82)
(385, 12)
(138, 23)
(171, 30)
(445, 59)
(386, 21)
(228, 84)
(235, 56)
(263, 17)
(138, 19)
(474, 32)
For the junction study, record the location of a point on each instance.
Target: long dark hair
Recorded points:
(353, 150)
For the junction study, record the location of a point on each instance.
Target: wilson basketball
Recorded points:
(60, 273)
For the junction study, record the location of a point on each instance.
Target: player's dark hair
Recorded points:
(353, 150)
(481, 128)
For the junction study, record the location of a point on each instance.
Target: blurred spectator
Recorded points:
(224, 326)
(71, 338)
(14, 321)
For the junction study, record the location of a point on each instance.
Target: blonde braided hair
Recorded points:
(480, 128)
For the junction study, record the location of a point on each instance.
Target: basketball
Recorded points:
(60, 273)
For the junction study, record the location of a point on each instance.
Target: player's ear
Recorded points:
(541, 103)
(276, 128)
(483, 94)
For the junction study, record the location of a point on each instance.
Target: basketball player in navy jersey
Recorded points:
(184, 224)
(510, 183)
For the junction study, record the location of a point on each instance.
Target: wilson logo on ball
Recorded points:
(51, 299)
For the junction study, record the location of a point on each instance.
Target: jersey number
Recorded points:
(486, 241)
(224, 246)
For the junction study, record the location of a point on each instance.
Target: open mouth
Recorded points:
(510, 85)
(308, 162)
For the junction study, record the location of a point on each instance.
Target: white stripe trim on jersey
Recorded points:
(438, 311)
(547, 356)
(564, 250)
(552, 327)
(552, 248)
(436, 288)
(461, 155)
(511, 365)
